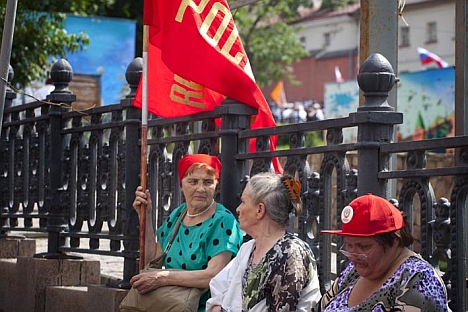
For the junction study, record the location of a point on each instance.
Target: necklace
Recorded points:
(200, 213)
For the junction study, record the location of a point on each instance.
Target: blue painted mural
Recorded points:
(340, 100)
(426, 99)
(110, 50)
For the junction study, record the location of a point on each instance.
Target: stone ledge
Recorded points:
(7, 284)
(83, 298)
(105, 299)
(67, 298)
(17, 247)
(33, 276)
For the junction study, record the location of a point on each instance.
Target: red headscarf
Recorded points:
(189, 160)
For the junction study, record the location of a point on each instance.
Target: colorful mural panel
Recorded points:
(340, 100)
(426, 99)
(110, 50)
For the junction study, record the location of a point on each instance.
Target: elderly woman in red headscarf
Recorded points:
(207, 239)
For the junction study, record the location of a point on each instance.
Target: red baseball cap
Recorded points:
(369, 215)
(189, 160)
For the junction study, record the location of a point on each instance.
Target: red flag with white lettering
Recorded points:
(196, 59)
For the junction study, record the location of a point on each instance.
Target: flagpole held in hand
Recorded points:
(144, 145)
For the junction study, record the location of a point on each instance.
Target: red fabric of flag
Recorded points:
(196, 59)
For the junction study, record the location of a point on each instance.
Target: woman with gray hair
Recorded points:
(275, 271)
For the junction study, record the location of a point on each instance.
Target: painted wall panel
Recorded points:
(426, 99)
(111, 49)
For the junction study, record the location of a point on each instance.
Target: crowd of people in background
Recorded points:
(297, 112)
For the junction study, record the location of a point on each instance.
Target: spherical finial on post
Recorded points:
(376, 79)
(61, 74)
(133, 74)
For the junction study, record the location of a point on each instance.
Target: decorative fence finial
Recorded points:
(376, 78)
(133, 74)
(61, 74)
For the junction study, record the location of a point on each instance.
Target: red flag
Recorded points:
(196, 59)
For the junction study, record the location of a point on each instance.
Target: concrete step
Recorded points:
(83, 299)
(33, 284)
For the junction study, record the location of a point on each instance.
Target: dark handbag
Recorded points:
(166, 298)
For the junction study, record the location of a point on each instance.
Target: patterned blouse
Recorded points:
(414, 284)
(280, 276)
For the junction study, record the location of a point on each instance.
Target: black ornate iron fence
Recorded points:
(73, 174)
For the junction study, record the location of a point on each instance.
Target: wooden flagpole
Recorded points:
(144, 145)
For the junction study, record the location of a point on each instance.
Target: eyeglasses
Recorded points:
(359, 256)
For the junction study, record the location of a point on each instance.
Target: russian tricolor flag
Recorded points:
(427, 57)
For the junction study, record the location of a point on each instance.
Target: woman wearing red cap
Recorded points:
(275, 271)
(382, 274)
(208, 236)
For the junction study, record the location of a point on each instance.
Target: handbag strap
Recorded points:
(157, 262)
(174, 232)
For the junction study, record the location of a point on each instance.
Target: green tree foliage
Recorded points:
(269, 40)
(336, 4)
(314, 138)
(39, 34)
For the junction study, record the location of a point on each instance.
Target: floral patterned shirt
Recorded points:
(414, 284)
(280, 276)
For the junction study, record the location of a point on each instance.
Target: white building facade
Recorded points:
(332, 38)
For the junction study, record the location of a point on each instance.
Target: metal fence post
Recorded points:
(376, 120)
(61, 74)
(235, 117)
